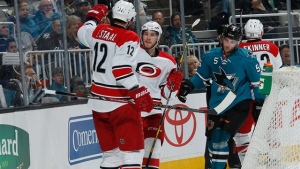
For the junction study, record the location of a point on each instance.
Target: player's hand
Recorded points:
(174, 79)
(185, 88)
(97, 12)
(142, 99)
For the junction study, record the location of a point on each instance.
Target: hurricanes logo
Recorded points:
(148, 70)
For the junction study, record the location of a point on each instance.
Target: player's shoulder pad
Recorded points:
(212, 53)
(166, 55)
(247, 53)
(128, 36)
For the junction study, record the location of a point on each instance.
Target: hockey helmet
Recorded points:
(254, 29)
(152, 26)
(233, 32)
(220, 31)
(123, 11)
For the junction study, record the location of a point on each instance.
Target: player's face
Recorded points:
(150, 39)
(228, 44)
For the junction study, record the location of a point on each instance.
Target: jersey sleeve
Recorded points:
(85, 33)
(252, 69)
(125, 58)
(169, 67)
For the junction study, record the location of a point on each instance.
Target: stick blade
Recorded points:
(196, 22)
(226, 102)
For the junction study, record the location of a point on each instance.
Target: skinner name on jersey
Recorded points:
(103, 34)
(258, 47)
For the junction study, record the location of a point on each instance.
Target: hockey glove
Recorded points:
(142, 99)
(174, 79)
(185, 88)
(97, 13)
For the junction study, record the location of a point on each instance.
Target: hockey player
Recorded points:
(233, 158)
(264, 51)
(118, 125)
(231, 70)
(156, 70)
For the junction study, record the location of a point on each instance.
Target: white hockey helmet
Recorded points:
(254, 29)
(123, 11)
(152, 26)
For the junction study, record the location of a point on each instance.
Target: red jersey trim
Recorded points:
(110, 91)
(122, 71)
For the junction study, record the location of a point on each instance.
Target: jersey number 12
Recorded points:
(103, 49)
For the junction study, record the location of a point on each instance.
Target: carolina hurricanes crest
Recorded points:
(148, 69)
(225, 81)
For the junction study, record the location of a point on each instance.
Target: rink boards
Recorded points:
(64, 137)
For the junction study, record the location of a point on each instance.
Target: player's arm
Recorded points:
(252, 69)
(93, 17)
(173, 79)
(123, 63)
(124, 60)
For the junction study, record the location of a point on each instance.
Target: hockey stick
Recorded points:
(196, 22)
(212, 112)
(158, 130)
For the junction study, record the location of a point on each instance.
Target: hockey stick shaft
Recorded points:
(159, 127)
(196, 22)
(212, 112)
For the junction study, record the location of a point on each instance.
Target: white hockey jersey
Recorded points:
(114, 53)
(264, 50)
(152, 72)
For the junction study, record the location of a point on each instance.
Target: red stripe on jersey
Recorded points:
(101, 90)
(119, 72)
(116, 34)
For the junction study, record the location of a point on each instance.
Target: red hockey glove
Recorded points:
(142, 99)
(174, 78)
(97, 12)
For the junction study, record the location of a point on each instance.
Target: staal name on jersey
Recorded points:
(258, 47)
(103, 34)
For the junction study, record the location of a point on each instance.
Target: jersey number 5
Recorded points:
(103, 49)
